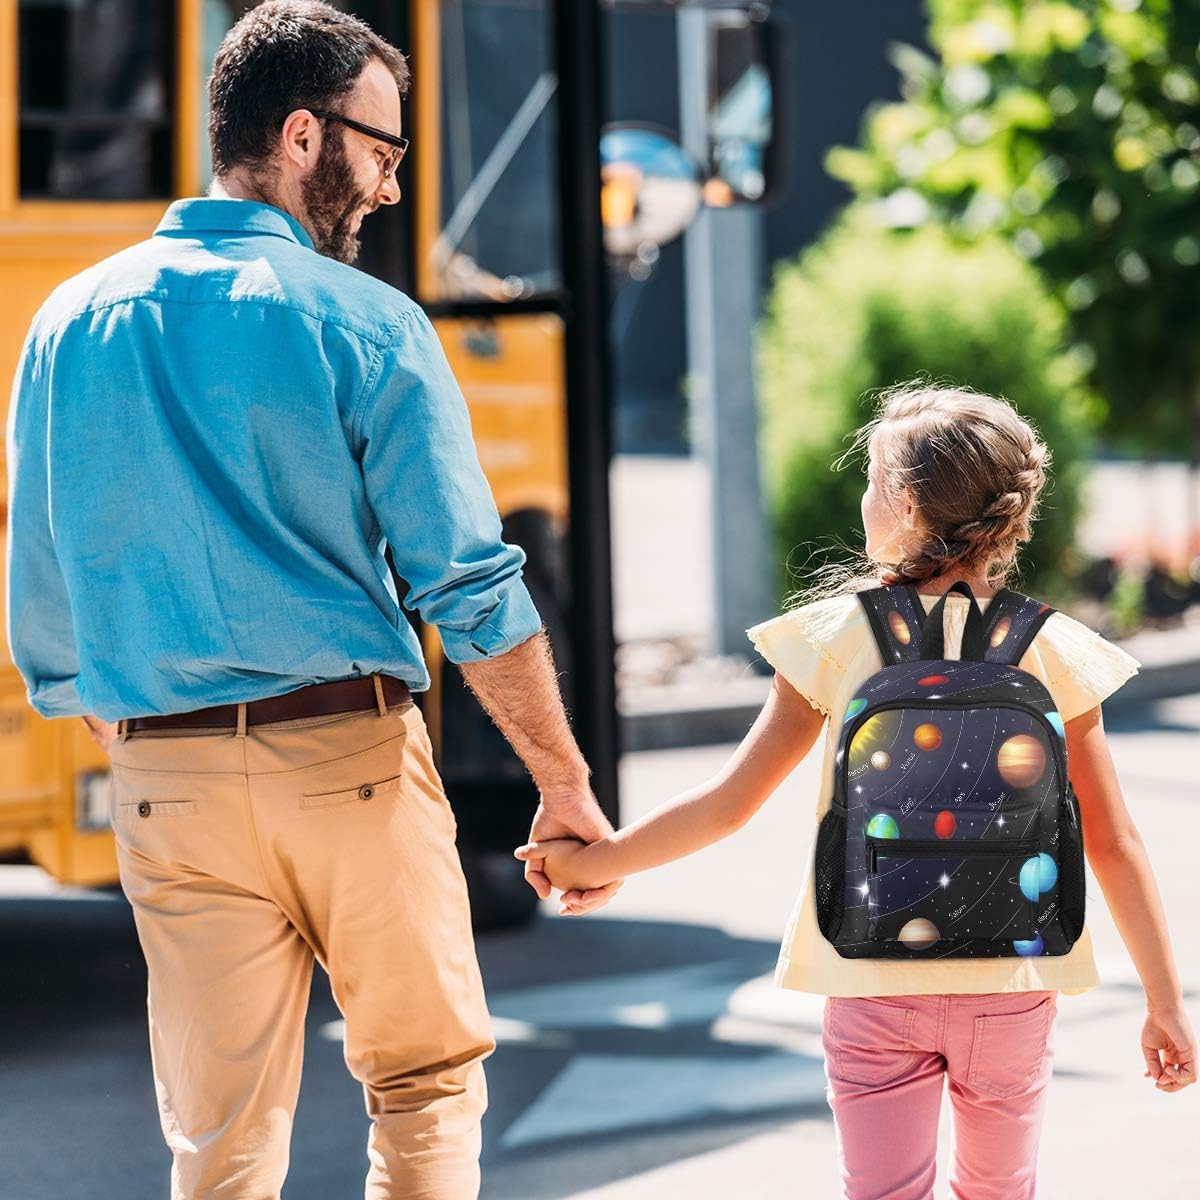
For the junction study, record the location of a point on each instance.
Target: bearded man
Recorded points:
(214, 437)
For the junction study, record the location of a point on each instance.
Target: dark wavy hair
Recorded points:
(281, 56)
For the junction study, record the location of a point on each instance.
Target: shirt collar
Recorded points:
(206, 214)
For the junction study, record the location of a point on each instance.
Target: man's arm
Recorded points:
(436, 509)
(519, 691)
(38, 621)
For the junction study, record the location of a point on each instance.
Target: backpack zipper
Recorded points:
(1055, 748)
(947, 848)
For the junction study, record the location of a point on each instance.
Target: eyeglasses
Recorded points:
(399, 144)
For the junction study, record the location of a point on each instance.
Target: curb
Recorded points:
(675, 719)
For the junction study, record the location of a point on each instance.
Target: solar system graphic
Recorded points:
(952, 818)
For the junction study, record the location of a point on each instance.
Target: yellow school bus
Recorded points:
(102, 123)
(499, 236)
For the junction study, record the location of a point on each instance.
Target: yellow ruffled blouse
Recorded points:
(825, 651)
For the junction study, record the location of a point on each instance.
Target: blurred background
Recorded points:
(671, 250)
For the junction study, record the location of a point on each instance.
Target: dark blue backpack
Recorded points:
(954, 830)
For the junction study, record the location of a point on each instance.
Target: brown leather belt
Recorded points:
(315, 700)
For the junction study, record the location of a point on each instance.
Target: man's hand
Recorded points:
(103, 732)
(569, 813)
(519, 691)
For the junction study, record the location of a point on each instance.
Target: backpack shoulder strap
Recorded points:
(897, 621)
(1011, 623)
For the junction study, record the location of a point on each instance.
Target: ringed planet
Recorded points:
(919, 934)
(899, 627)
(1021, 760)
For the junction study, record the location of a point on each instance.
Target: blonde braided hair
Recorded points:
(974, 470)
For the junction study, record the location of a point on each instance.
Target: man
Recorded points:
(213, 437)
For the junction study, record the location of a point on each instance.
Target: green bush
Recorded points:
(869, 307)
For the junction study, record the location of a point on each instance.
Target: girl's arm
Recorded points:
(781, 736)
(1118, 858)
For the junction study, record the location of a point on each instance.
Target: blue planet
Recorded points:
(1038, 875)
(883, 825)
(855, 707)
(1029, 948)
(1057, 722)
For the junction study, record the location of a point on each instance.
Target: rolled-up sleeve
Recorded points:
(434, 506)
(38, 622)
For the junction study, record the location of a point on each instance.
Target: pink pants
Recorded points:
(885, 1057)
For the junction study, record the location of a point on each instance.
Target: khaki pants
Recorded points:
(247, 856)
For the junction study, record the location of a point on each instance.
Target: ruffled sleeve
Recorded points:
(1079, 667)
(806, 646)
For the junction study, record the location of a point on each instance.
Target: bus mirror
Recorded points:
(650, 191)
(742, 105)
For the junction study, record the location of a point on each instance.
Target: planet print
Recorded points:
(881, 760)
(1021, 760)
(928, 737)
(855, 707)
(1029, 948)
(932, 680)
(883, 825)
(919, 934)
(877, 732)
(899, 627)
(1038, 875)
(1001, 631)
(945, 823)
(1057, 722)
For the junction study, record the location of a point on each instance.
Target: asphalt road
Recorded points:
(642, 1052)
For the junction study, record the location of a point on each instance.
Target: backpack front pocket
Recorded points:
(922, 892)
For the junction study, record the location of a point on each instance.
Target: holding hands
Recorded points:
(569, 818)
(567, 863)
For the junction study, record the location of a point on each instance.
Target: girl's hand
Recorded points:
(1168, 1033)
(564, 861)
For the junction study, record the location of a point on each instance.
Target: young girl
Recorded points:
(954, 480)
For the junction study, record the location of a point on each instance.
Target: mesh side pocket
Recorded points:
(1072, 881)
(830, 873)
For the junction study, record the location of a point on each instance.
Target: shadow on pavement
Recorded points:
(610, 1061)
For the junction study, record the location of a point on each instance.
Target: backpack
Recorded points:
(954, 830)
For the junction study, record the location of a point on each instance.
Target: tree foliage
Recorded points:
(1073, 130)
(868, 307)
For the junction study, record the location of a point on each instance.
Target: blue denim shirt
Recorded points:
(212, 437)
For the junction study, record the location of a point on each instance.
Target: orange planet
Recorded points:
(919, 934)
(928, 737)
(1001, 631)
(1021, 760)
(899, 628)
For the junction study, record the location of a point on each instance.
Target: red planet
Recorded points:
(932, 680)
(944, 823)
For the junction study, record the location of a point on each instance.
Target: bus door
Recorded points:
(491, 186)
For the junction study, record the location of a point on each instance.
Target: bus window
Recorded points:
(95, 99)
(497, 228)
